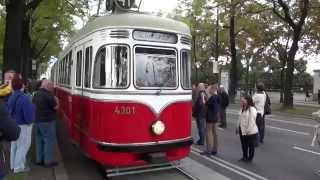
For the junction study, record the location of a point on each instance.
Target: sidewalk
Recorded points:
(41, 173)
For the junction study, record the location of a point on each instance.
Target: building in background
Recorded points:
(316, 84)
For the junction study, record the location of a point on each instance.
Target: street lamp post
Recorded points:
(195, 52)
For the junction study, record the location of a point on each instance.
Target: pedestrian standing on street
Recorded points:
(213, 106)
(247, 128)
(22, 111)
(259, 100)
(200, 112)
(224, 103)
(9, 131)
(45, 123)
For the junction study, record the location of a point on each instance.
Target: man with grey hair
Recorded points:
(45, 124)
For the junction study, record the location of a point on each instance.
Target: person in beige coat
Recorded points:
(247, 128)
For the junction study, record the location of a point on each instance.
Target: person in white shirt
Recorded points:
(247, 128)
(259, 100)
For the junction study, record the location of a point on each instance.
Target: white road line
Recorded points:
(224, 166)
(306, 150)
(279, 120)
(235, 168)
(288, 130)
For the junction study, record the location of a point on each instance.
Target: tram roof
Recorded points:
(134, 20)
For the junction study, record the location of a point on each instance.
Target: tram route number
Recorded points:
(125, 110)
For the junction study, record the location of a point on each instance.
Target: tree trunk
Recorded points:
(26, 55)
(247, 77)
(234, 64)
(12, 51)
(288, 94)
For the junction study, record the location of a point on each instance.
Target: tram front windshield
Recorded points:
(155, 68)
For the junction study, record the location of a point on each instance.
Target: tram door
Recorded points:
(83, 84)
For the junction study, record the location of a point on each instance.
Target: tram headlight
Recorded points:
(158, 127)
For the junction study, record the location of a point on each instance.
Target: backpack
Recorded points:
(267, 105)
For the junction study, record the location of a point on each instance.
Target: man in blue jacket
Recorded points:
(22, 111)
(9, 131)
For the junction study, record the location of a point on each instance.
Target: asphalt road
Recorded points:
(285, 155)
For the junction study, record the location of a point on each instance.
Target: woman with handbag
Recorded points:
(247, 128)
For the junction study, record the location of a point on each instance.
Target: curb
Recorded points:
(60, 172)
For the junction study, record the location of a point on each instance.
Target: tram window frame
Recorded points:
(88, 67)
(79, 69)
(156, 48)
(108, 61)
(182, 69)
(69, 68)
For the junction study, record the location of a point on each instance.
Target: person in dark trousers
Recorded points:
(200, 112)
(22, 111)
(247, 128)
(45, 124)
(224, 103)
(213, 106)
(259, 100)
(9, 131)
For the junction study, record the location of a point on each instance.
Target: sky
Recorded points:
(167, 6)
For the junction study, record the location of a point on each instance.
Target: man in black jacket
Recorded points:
(224, 103)
(9, 131)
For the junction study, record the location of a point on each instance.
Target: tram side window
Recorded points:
(79, 68)
(186, 69)
(111, 67)
(69, 67)
(88, 62)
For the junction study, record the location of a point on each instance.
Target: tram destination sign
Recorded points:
(155, 36)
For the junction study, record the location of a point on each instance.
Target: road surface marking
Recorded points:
(224, 166)
(306, 150)
(232, 167)
(288, 130)
(278, 120)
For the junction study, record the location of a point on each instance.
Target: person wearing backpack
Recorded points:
(200, 112)
(247, 128)
(259, 100)
(22, 111)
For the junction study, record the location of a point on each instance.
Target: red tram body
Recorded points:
(125, 91)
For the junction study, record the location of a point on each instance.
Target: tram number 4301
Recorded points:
(125, 110)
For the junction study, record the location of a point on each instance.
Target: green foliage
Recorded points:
(53, 22)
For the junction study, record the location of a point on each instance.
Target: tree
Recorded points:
(296, 21)
(21, 42)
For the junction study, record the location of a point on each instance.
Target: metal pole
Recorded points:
(217, 40)
(195, 55)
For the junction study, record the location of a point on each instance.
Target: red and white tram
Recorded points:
(125, 90)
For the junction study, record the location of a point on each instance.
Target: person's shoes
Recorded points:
(261, 141)
(214, 153)
(39, 163)
(200, 143)
(51, 165)
(249, 160)
(205, 153)
(223, 126)
(243, 159)
(26, 169)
